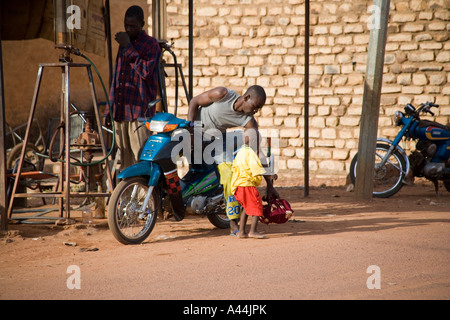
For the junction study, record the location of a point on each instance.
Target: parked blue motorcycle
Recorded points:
(152, 186)
(431, 159)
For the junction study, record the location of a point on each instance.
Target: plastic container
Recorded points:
(86, 215)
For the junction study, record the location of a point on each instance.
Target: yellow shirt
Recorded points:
(233, 207)
(247, 169)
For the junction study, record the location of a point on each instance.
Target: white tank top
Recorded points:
(221, 115)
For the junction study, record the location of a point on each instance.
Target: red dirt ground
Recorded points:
(324, 252)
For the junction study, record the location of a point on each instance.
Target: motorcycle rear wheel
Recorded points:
(220, 221)
(126, 222)
(219, 217)
(387, 179)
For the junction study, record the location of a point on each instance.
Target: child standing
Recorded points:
(247, 175)
(233, 208)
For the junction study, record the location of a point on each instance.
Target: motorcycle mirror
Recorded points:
(409, 109)
(138, 127)
(153, 103)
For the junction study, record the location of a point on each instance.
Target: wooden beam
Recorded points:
(108, 43)
(378, 25)
(3, 182)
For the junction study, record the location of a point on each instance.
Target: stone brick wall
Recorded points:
(239, 43)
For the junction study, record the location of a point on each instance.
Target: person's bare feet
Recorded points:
(234, 228)
(257, 235)
(254, 235)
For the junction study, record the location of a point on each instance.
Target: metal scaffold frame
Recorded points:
(65, 193)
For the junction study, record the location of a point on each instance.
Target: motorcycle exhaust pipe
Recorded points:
(214, 203)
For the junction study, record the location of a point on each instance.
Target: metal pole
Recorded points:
(26, 138)
(371, 100)
(67, 138)
(99, 125)
(306, 104)
(191, 47)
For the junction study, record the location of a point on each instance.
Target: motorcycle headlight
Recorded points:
(398, 116)
(160, 126)
(157, 126)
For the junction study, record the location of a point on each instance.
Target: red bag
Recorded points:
(277, 211)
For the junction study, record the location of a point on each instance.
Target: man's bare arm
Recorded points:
(205, 99)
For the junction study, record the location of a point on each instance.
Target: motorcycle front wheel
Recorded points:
(447, 185)
(127, 221)
(387, 178)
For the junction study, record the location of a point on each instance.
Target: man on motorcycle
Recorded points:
(222, 108)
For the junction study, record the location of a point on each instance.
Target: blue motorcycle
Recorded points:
(152, 186)
(431, 159)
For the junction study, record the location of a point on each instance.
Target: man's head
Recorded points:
(134, 21)
(254, 99)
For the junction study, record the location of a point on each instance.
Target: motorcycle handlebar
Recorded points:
(143, 119)
(425, 107)
(431, 104)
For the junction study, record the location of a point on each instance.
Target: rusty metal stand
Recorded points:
(64, 194)
(162, 74)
